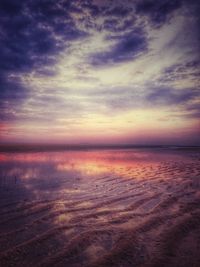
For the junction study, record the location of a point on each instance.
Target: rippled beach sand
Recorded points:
(119, 208)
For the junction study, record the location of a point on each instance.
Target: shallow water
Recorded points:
(99, 207)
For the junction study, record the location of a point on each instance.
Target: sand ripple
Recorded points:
(145, 214)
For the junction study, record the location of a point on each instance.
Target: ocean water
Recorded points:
(56, 172)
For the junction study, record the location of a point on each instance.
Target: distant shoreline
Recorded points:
(64, 147)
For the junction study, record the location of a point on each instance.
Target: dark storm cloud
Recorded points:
(93, 9)
(32, 34)
(157, 10)
(114, 25)
(127, 47)
(29, 38)
(11, 90)
(118, 11)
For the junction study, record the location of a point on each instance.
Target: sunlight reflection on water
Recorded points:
(46, 166)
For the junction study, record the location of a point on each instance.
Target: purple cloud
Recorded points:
(33, 34)
(157, 10)
(186, 70)
(128, 47)
(170, 96)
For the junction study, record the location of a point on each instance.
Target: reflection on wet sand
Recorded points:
(100, 208)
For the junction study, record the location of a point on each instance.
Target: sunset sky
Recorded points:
(100, 71)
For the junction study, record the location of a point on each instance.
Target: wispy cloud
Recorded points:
(95, 64)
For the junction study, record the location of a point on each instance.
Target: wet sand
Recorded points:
(103, 208)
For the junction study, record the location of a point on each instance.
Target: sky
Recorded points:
(100, 71)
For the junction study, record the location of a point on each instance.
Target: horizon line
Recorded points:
(17, 147)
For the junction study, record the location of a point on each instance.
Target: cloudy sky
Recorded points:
(100, 71)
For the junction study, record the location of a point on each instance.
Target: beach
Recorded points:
(108, 207)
